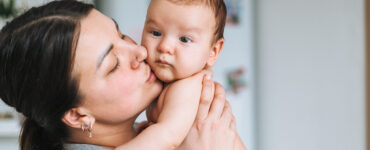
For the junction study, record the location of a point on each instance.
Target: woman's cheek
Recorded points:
(125, 85)
(124, 92)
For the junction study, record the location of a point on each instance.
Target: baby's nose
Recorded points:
(165, 46)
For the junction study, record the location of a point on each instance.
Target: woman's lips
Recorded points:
(151, 76)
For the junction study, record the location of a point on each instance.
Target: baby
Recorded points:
(183, 38)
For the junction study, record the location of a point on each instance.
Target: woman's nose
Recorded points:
(139, 55)
(165, 46)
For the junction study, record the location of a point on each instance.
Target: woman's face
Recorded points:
(114, 81)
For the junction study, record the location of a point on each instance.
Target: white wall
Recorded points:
(130, 15)
(311, 74)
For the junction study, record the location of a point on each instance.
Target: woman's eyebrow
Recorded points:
(106, 51)
(103, 55)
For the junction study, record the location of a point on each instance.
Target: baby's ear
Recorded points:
(215, 51)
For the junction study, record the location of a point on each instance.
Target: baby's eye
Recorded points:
(156, 33)
(185, 39)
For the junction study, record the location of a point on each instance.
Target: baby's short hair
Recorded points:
(219, 9)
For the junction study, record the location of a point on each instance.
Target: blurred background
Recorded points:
(294, 70)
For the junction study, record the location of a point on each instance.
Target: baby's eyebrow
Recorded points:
(148, 21)
(195, 30)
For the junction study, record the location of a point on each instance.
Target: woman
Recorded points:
(67, 68)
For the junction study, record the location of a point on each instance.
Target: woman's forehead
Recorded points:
(97, 32)
(97, 22)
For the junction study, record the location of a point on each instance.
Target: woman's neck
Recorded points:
(105, 135)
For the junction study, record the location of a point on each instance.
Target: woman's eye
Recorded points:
(185, 39)
(115, 66)
(156, 33)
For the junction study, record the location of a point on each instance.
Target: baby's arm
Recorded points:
(180, 103)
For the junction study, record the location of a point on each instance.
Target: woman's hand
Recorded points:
(214, 126)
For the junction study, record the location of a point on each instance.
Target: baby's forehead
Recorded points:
(216, 8)
(210, 4)
(203, 4)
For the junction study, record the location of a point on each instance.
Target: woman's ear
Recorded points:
(78, 118)
(215, 51)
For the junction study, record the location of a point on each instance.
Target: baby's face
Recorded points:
(178, 38)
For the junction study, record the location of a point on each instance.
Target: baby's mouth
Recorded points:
(162, 62)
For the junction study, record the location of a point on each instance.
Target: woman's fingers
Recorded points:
(226, 115)
(216, 128)
(218, 101)
(206, 97)
(233, 123)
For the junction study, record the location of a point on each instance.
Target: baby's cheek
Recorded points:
(188, 68)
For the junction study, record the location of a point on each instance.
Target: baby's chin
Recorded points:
(169, 74)
(165, 77)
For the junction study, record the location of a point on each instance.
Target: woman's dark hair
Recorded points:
(36, 59)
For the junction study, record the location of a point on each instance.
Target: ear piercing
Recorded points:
(90, 130)
(86, 126)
